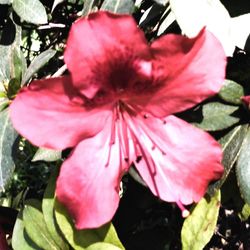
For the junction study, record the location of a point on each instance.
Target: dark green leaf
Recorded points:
(48, 212)
(20, 239)
(231, 92)
(102, 246)
(243, 169)
(44, 154)
(37, 63)
(36, 227)
(7, 138)
(231, 144)
(80, 239)
(31, 11)
(118, 6)
(199, 227)
(13, 87)
(217, 116)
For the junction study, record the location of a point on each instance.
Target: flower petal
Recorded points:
(95, 40)
(187, 69)
(87, 185)
(178, 160)
(50, 114)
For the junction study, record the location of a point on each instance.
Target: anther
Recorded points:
(145, 116)
(138, 159)
(184, 212)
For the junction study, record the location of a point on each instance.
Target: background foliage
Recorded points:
(32, 40)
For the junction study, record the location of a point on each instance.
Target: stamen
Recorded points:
(184, 212)
(123, 135)
(112, 136)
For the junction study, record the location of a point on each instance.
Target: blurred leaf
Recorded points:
(3, 105)
(48, 155)
(37, 63)
(36, 227)
(216, 116)
(89, 6)
(5, 1)
(162, 2)
(243, 169)
(150, 14)
(239, 30)
(198, 228)
(55, 3)
(231, 92)
(245, 213)
(102, 246)
(231, 144)
(48, 211)
(8, 136)
(169, 19)
(118, 6)
(81, 239)
(193, 15)
(20, 239)
(31, 11)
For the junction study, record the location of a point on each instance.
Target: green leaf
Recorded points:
(48, 211)
(31, 11)
(48, 155)
(19, 63)
(118, 6)
(89, 6)
(231, 144)
(102, 246)
(8, 136)
(216, 116)
(37, 63)
(81, 239)
(243, 169)
(231, 92)
(10, 54)
(36, 227)
(245, 213)
(20, 239)
(199, 227)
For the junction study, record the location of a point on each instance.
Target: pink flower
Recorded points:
(116, 109)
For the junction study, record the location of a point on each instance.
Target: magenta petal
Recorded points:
(190, 69)
(50, 114)
(89, 180)
(178, 160)
(96, 41)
